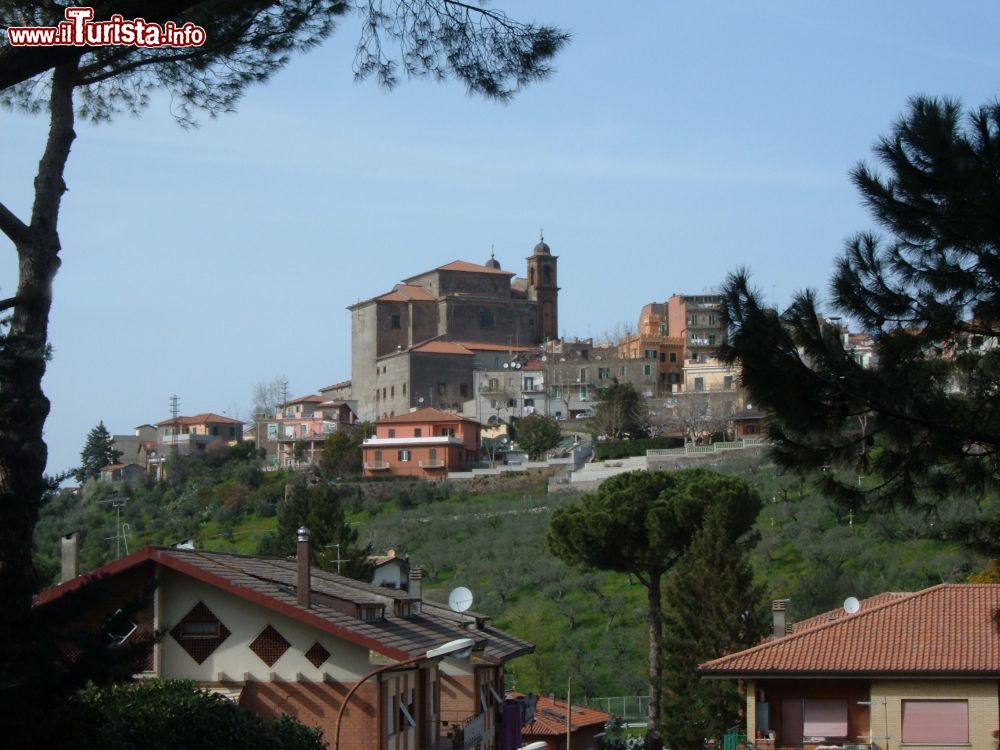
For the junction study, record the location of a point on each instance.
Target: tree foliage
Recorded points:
(538, 433)
(620, 412)
(926, 417)
(342, 454)
(641, 524)
(712, 607)
(320, 508)
(98, 452)
(175, 715)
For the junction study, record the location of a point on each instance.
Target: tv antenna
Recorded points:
(122, 530)
(337, 559)
(460, 599)
(851, 605)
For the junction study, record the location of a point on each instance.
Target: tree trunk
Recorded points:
(23, 405)
(653, 741)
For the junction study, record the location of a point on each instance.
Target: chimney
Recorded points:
(305, 572)
(778, 615)
(69, 552)
(416, 575)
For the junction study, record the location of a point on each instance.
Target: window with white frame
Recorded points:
(403, 456)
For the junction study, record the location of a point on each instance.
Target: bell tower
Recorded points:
(543, 289)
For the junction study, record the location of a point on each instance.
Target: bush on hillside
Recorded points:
(628, 448)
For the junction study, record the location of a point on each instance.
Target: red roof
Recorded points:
(425, 415)
(944, 630)
(407, 293)
(441, 347)
(312, 398)
(465, 266)
(203, 418)
(271, 583)
(483, 346)
(550, 718)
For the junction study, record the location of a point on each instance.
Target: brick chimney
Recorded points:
(69, 554)
(779, 618)
(303, 559)
(416, 576)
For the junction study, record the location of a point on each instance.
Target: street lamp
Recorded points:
(460, 648)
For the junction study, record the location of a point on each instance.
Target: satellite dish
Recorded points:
(460, 599)
(851, 605)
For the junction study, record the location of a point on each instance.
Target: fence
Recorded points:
(633, 709)
(694, 450)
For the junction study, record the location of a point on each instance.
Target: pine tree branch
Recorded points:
(6, 304)
(12, 226)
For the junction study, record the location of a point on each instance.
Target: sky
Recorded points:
(676, 142)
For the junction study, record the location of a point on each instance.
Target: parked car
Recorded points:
(585, 415)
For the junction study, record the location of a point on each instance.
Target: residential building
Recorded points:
(662, 353)
(897, 671)
(390, 570)
(294, 436)
(549, 725)
(401, 341)
(130, 473)
(189, 436)
(130, 447)
(425, 443)
(279, 637)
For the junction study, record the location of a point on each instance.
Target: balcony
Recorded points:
(376, 465)
(434, 463)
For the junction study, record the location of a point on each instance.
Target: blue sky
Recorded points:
(675, 142)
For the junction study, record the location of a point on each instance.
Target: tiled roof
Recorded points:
(425, 415)
(550, 718)
(839, 614)
(484, 346)
(407, 293)
(441, 347)
(203, 418)
(341, 384)
(312, 398)
(272, 582)
(113, 467)
(463, 265)
(944, 630)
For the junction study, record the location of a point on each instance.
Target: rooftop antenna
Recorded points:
(121, 529)
(174, 412)
(851, 605)
(337, 559)
(460, 599)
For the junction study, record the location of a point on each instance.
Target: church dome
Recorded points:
(541, 248)
(492, 263)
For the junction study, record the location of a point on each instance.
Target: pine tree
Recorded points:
(642, 523)
(711, 607)
(98, 452)
(925, 419)
(320, 508)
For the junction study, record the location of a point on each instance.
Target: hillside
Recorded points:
(588, 624)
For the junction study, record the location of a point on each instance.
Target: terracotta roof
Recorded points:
(944, 630)
(312, 398)
(425, 415)
(465, 266)
(113, 467)
(407, 293)
(271, 583)
(840, 614)
(441, 347)
(550, 717)
(484, 346)
(534, 365)
(341, 384)
(203, 418)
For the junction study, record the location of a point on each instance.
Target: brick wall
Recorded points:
(317, 704)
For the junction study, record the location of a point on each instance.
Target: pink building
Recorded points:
(425, 443)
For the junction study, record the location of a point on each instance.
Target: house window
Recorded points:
(200, 629)
(486, 319)
(432, 454)
(440, 389)
(936, 722)
(750, 429)
(403, 456)
(583, 375)
(529, 402)
(215, 430)
(232, 432)
(583, 392)
(418, 432)
(394, 322)
(647, 369)
(727, 382)
(621, 371)
(392, 391)
(663, 329)
(404, 389)
(711, 339)
(463, 390)
(494, 385)
(392, 432)
(824, 717)
(603, 373)
(650, 354)
(448, 431)
(303, 429)
(390, 716)
(699, 384)
(529, 384)
(673, 357)
(378, 455)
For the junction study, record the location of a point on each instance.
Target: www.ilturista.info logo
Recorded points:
(80, 30)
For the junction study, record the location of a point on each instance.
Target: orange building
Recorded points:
(424, 443)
